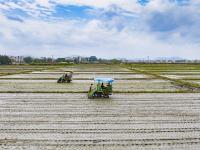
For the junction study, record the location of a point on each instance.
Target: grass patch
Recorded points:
(190, 78)
(186, 84)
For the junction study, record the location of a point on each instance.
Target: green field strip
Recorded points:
(179, 82)
(190, 78)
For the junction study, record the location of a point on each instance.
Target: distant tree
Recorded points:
(76, 60)
(5, 60)
(49, 60)
(115, 61)
(102, 61)
(28, 60)
(60, 60)
(37, 60)
(92, 59)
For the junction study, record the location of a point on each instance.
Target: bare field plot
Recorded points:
(126, 121)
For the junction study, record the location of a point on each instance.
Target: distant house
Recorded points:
(69, 59)
(180, 61)
(17, 59)
(84, 60)
(77, 59)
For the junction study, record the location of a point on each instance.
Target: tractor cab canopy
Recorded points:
(101, 90)
(104, 80)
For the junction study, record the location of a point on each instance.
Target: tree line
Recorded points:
(5, 60)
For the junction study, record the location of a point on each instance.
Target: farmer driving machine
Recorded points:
(65, 78)
(103, 88)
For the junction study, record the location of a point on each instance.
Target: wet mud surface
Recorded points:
(72, 121)
(126, 121)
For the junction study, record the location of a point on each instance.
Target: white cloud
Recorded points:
(137, 37)
(93, 38)
(44, 3)
(129, 5)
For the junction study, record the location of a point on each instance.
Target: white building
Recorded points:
(17, 59)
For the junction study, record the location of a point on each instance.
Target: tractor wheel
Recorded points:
(99, 95)
(58, 81)
(90, 97)
(106, 96)
(95, 95)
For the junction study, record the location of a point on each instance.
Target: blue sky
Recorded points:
(107, 28)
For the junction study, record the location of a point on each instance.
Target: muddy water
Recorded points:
(182, 76)
(91, 76)
(53, 86)
(72, 121)
(193, 81)
(181, 73)
(81, 81)
(126, 121)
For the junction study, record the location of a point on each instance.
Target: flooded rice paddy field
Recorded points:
(5, 69)
(189, 73)
(194, 81)
(2, 80)
(181, 73)
(125, 121)
(183, 76)
(83, 76)
(83, 86)
(44, 119)
(91, 68)
(45, 81)
(83, 72)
